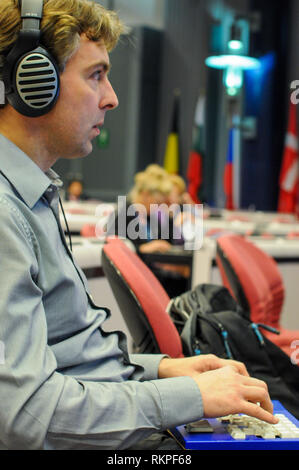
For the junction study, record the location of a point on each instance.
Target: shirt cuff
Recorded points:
(181, 401)
(150, 363)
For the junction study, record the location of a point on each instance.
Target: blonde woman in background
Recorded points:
(178, 193)
(152, 187)
(149, 225)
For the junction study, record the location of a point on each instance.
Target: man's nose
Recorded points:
(110, 100)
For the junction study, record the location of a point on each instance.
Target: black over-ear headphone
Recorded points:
(31, 75)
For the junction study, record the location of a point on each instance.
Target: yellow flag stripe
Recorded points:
(171, 158)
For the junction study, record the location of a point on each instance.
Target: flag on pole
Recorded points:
(195, 164)
(171, 157)
(289, 176)
(237, 163)
(228, 177)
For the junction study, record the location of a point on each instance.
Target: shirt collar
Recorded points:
(25, 175)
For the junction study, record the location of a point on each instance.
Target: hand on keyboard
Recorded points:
(240, 426)
(240, 431)
(225, 391)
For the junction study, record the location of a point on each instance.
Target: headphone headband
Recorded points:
(31, 15)
(31, 9)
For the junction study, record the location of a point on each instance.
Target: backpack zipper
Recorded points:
(256, 326)
(223, 333)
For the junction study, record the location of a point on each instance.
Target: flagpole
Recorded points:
(171, 156)
(236, 161)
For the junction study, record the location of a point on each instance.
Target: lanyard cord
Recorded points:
(66, 225)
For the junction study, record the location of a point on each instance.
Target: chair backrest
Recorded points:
(88, 230)
(252, 277)
(142, 300)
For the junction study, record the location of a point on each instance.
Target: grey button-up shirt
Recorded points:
(64, 382)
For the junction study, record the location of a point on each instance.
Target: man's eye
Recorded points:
(97, 75)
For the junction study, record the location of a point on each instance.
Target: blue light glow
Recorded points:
(232, 60)
(235, 45)
(233, 77)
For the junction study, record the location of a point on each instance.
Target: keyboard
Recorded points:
(241, 432)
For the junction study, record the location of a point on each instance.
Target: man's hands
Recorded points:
(225, 386)
(192, 366)
(161, 246)
(225, 391)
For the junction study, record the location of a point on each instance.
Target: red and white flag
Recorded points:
(289, 173)
(195, 163)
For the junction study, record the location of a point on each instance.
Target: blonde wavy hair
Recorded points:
(178, 181)
(62, 24)
(154, 179)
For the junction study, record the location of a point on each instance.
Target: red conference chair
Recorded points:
(142, 300)
(253, 278)
(88, 230)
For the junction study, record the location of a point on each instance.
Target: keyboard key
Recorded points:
(240, 426)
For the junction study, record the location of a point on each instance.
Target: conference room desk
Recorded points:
(79, 214)
(83, 213)
(77, 221)
(280, 248)
(81, 207)
(235, 226)
(250, 216)
(279, 229)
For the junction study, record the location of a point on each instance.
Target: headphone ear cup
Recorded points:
(35, 83)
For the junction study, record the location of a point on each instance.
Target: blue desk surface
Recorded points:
(221, 439)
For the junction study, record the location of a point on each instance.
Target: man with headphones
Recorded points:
(65, 383)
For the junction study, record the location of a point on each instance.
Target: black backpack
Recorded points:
(209, 320)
